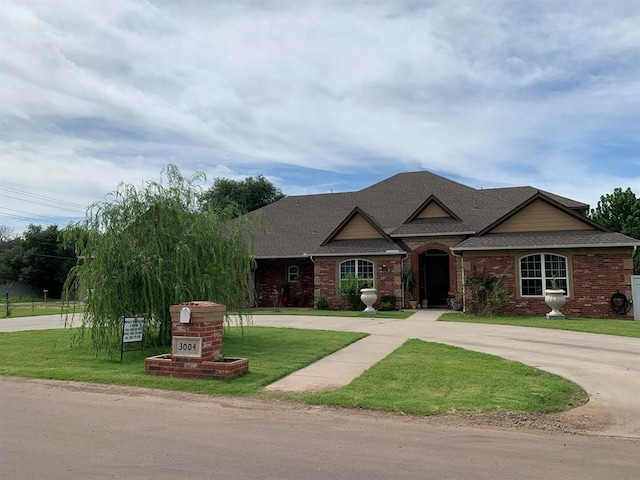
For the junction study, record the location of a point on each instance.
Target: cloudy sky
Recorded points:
(318, 96)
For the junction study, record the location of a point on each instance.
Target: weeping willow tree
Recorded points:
(144, 249)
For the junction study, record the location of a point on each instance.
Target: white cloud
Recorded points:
(497, 92)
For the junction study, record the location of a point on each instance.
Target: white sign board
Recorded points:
(132, 329)
(187, 347)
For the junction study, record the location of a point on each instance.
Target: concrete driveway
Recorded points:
(606, 366)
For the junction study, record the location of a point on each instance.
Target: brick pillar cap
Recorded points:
(200, 303)
(201, 306)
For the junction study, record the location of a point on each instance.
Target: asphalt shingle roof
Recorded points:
(298, 225)
(559, 239)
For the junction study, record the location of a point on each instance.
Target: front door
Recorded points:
(434, 277)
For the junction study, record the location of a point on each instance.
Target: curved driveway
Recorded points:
(607, 366)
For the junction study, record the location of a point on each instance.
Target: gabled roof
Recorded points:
(432, 200)
(537, 240)
(299, 226)
(539, 196)
(355, 213)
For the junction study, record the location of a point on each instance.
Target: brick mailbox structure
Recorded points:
(196, 347)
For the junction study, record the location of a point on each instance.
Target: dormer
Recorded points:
(432, 208)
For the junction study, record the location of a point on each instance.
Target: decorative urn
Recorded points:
(369, 297)
(555, 299)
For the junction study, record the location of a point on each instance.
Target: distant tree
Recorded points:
(6, 235)
(241, 197)
(38, 258)
(10, 262)
(152, 247)
(620, 211)
(45, 261)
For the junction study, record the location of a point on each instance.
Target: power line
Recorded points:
(51, 217)
(45, 204)
(27, 219)
(40, 197)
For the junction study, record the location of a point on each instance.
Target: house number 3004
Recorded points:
(187, 347)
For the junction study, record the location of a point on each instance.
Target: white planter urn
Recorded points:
(555, 299)
(369, 297)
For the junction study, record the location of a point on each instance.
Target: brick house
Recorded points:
(441, 230)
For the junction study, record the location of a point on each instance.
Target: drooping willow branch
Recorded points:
(144, 249)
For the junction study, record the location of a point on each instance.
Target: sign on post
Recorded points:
(132, 332)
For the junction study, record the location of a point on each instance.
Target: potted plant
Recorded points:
(409, 281)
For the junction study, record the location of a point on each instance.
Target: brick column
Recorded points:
(196, 347)
(207, 323)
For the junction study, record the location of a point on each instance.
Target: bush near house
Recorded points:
(488, 293)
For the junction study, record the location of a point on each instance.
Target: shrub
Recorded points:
(488, 293)
(349, 290)
(321, 303)
(385, 306)
(391, 299)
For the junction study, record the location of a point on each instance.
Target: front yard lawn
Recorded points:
(623, 328)
(273, 353)
(418, 378)
(423, 378)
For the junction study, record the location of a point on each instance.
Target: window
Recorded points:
(538, 271)
(293, 274)
(362, 269)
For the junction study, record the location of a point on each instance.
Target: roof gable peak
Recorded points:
(432, 207)
(539, 205)
(356, 226)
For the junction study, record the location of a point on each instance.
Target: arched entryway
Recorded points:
(434, 277)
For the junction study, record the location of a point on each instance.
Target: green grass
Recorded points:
(49, 308)
(330, 313)
(418, 378)
(623, 328)
(423, 378)
(272, 352)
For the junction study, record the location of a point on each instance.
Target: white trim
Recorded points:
(297, 274)
(544, 276)
(356, 260)
(447, 234)
(533, 247)
(358, 254)
(301, 257)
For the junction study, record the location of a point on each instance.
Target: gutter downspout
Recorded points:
(310, 257)
(402, 278)
(464, 304)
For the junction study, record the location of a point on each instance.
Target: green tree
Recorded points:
(240, 197)
(620, 211)
(46, 260)
(152, 247)
(38, 258)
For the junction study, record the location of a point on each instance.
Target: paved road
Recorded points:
(70, 431)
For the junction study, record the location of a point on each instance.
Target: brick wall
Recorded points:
(594, 276)
(388, 279)
(273, 274)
